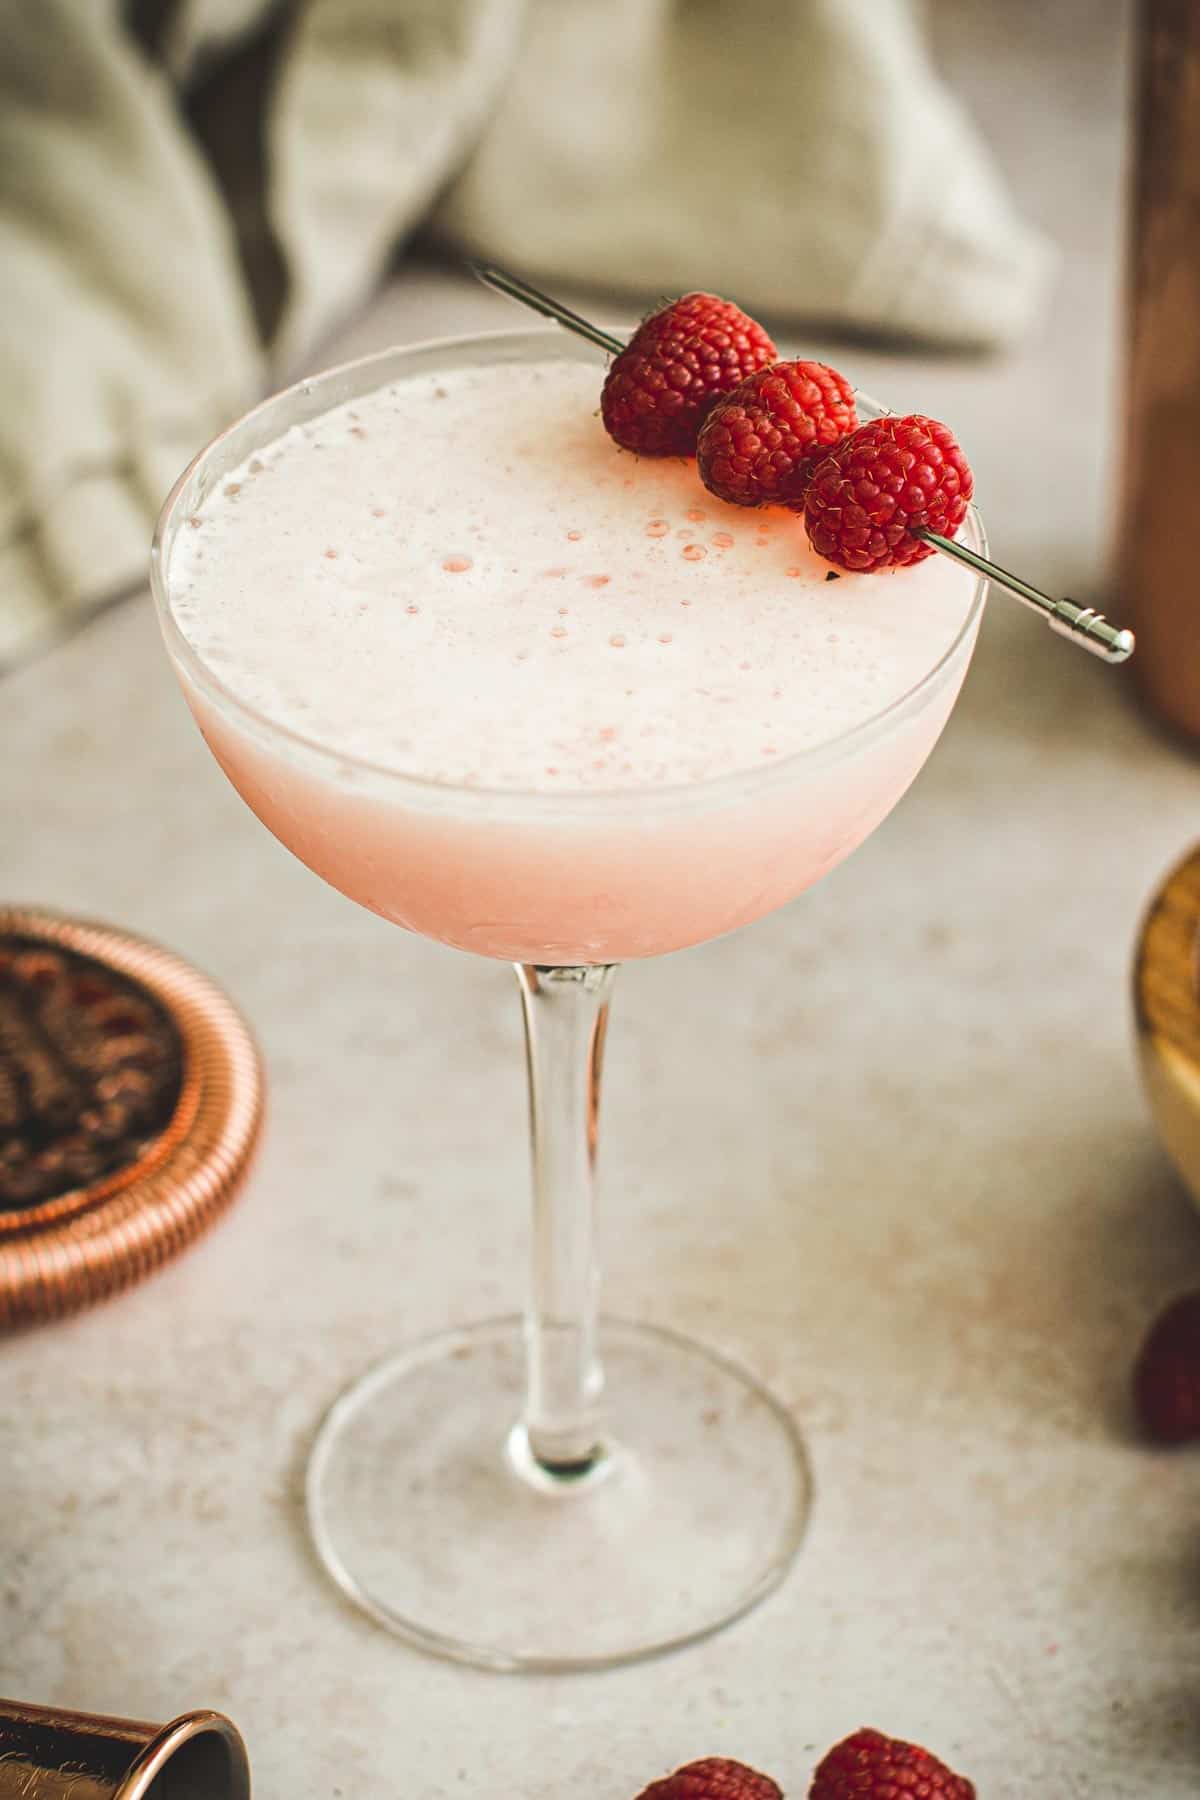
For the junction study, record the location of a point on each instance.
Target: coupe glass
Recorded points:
(557, 1490)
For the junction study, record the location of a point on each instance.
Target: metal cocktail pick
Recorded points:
(1082, 624)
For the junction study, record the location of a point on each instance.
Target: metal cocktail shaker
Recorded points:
(1158, 562)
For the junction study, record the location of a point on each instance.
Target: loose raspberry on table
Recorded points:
(713, 1778)
(1166, 1376)
(677, 363)
(870, 1766)
(760, 444)
(884, 479)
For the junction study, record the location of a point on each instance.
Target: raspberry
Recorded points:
(760, 443)
(877, 483)
(675, 365)
(713, 1778)
(870, 1766)
(1166, 1376)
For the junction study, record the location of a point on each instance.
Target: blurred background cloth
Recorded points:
(192, 192)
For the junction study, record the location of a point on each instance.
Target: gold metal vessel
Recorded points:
(47, 1753)
(1167, 1005)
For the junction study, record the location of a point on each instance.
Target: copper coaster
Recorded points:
(130, 1102)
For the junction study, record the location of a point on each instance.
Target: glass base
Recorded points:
(456, 1539)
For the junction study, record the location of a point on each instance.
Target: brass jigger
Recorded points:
(47, 1753)
(1082, 624)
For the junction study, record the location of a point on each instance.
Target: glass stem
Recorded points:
(566, 1015)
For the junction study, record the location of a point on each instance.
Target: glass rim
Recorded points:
(546, 342)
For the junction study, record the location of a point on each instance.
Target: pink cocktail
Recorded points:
(522, 692)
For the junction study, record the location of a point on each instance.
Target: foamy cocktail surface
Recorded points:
(461, 577)
(458, 578)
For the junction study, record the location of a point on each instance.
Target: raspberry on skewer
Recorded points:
(676, 365)
(881, 485)
(1082, 624)
(761, 443)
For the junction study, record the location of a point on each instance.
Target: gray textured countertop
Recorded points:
(886, 1147)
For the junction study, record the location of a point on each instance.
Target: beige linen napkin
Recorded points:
(190, 194)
